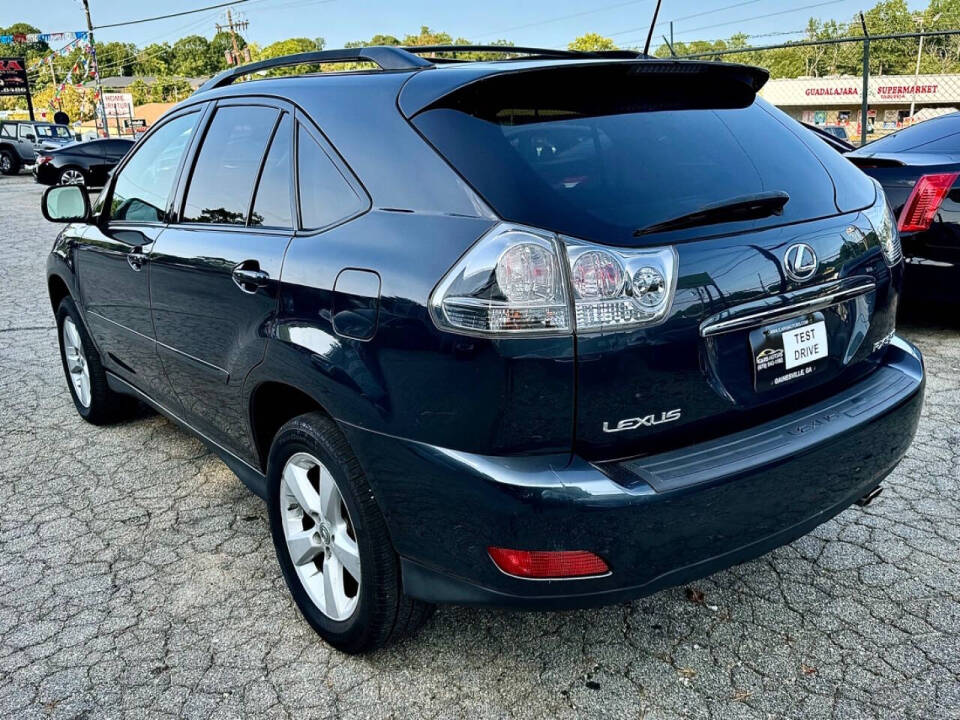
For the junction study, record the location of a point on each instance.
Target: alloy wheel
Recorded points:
(76, 362)
(320, 536)
(6, 164)
(71, 177)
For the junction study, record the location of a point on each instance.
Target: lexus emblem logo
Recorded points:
(800, 262)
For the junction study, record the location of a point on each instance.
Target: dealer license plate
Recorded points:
(789, 350)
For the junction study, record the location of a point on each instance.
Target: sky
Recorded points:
(543, 23)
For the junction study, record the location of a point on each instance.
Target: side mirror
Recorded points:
(66, 204)
(31, 137)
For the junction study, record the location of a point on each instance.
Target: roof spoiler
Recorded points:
(421, 93)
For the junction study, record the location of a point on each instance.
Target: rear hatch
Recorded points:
(781, 292)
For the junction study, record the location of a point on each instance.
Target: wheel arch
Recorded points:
(58, 290)
(272, 404)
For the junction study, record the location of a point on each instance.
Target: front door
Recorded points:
(113, 257)
(214, 275)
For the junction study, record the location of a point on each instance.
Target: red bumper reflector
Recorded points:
(548, 563)
(924, 201)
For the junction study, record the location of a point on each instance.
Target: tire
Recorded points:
(378, 612)
(95, 401)
(9, 162)
(72, 176)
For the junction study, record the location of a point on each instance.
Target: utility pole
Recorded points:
(96, 69)
(916, 74)
(866, 81)
(53, 74)
(232, 27)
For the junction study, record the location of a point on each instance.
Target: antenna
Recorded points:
(646, 48)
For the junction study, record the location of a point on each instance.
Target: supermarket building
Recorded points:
(836, 100)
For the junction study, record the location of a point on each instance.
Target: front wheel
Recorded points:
(95, 401)
(332, 541)
(9, 163)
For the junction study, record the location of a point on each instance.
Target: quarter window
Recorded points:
(226, 169)
(144, 184)
(271, 208)
(325, 195)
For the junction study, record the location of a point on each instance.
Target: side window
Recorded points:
(143, 186)
(27, 130)
(271, 208)
(227, 165)
(7, 131)
(325, 195)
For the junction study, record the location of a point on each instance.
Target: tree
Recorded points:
(292, 46)
(116, 58)
(193, 57)
(27, 50)
(155, 59)
(592, 42)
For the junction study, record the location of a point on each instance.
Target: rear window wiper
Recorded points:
(742, 207)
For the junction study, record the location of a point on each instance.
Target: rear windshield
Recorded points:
(601, 154)
(60, 131)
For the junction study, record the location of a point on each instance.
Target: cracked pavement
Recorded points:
(138, 579)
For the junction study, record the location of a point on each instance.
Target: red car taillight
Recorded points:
(42, 159)
(922, 205)
(548, 563)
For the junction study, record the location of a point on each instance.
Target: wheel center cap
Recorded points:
(325, 535)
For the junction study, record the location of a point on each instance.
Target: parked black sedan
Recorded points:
(919, 168)
(85, 163)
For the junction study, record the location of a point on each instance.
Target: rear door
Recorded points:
(215, 274)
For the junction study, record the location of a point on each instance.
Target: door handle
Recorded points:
(135, 260)
(248, 276)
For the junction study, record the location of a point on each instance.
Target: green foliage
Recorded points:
(592, 42)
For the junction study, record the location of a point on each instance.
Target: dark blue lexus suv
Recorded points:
(546, 332)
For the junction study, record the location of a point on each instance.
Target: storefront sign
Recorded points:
(118, 105)
(13, 76)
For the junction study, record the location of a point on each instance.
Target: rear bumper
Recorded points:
(657, 521)
(45, 175)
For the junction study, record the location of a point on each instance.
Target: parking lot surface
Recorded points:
(138, 579)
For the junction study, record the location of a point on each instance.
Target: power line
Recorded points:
(170, 15)
(767, 15)
(564, 17)
(753, 18)
(663, 23)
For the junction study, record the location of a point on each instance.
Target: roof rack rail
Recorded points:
(520, 50)
(385, 56)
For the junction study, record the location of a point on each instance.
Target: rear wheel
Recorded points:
(95, 401)
(332, 541)
(72, 176)
(9, 163)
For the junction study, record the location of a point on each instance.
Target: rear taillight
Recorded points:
(924, 201)
(885, 227)
(43, 159)
(545, 564)
(514, 282)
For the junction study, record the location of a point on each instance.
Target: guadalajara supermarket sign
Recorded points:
(889, 89)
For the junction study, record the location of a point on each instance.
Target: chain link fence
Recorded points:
(859, 88)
